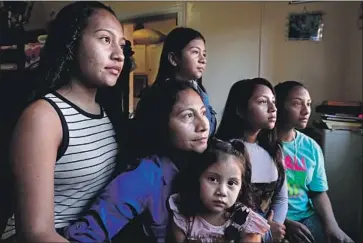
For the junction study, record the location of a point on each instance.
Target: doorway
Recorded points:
(146, 34)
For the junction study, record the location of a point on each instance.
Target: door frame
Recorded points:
(178, 8)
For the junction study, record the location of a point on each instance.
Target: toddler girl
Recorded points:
(212, 205)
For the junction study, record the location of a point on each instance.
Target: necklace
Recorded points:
(295, 147)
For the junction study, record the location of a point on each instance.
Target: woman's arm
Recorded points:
(318, 187)
(277, 215)
(324, 209)
(280, 204)
(34, 147)
(127, 196)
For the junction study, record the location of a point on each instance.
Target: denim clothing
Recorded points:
(211, 114)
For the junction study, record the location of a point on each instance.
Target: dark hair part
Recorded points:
(175, 42)
(217, 151)
(57, 60)
(151, 122)
(233, 125)
(282, 92)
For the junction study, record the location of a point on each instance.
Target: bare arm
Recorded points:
(179, 236)
(324, 209)
(34, 146)
(318, 187)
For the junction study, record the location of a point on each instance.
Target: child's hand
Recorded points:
(278, 231)
(247, 221)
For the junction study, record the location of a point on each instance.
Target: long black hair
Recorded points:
(58, 56)
(151, 133)
(233, 125)
(175, 42)
(188, 182)
(282, 92)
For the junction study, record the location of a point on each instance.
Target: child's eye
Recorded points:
(212, 179)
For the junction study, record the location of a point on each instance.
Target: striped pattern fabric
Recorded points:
(85, 164)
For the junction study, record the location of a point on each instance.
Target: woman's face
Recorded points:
(193, 60)
(261, 108)
(100, 54)
(297, 108)
(188, 124)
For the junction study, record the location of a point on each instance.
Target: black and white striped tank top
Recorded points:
(85, 163)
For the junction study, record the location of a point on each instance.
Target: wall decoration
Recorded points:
(305, 26)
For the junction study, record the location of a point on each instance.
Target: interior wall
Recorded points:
(232, 32)
(248, 39)
(352, 80)
(321, 66)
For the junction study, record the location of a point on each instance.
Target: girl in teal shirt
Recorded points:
(310, 217)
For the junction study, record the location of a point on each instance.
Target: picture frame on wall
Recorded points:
(305, 26)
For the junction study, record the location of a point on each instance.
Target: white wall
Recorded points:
(331, 69)
(247, 39)
(321, 66)
(352, 82)
(232, 32)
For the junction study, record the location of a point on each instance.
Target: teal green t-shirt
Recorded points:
(304, 163)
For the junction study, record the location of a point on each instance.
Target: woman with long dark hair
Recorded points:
(250, 115)
(63, 149)
(184, 58)
(310, 217)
